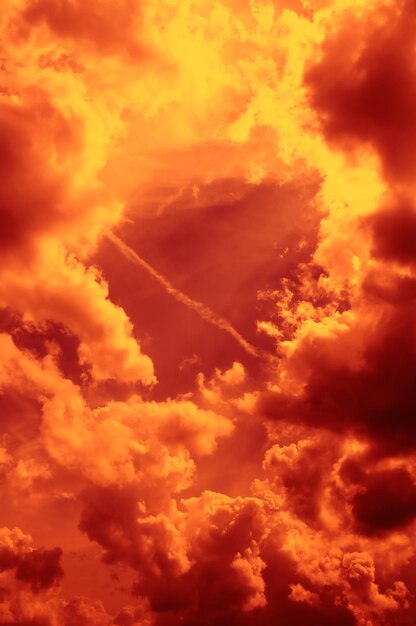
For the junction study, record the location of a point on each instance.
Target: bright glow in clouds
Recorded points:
(207, 305)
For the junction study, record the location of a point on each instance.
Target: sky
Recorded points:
(207, 305)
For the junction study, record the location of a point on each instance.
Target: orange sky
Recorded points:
(207, 304)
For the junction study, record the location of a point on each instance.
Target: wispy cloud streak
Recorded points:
(200, 309)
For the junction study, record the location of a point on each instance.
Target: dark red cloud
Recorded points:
(398, 291)
(387, 502)
(394, 232)
(234, 557)
(375, 399)
(210, 583)
(8, 559)
(364, 87)
(279, 574)
(109, 517)
(40, 568)
(39, 338)
(112, 517)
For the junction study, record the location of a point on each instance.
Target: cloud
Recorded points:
(363, 87)
(52, 217)
(27, 576)
(41, 568)
(393, 229)
(256, 163)
(387, 502)
(107, 27)
(82, 612)
(40, 213)
(36, 190)
(367, 384)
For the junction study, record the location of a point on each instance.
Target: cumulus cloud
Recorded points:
(222, 430)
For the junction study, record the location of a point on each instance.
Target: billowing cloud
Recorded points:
(207, 298)
(363, 87)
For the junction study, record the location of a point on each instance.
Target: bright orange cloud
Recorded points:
(207, 302)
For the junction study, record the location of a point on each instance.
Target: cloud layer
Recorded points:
(207, 303)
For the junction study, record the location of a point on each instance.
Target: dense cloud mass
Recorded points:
(207, 304)
(364, 86)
